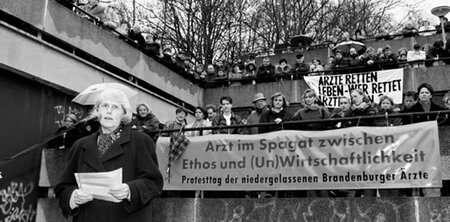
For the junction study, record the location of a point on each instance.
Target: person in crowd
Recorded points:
(200, 72)
(221, 66)
(340, 63)
(361, 106)
(266, 69)
(443, 21)
(277, 113)
(301, 68)
(359, 36)
(438, 53)
(311, 110)
(446, 100)
(227, 118)
(417, 56)
(113, 146)
(402, 58)
(153, 45)
(388, 60)
(135, 34)
(369, 60)
(211, 109)
(354, 60)
(342, 111)
(409, 100)
(179, 122)
(236, 72)
(67, 139)
(201, 120)
(104, 12)
(250, 70)
(168, 56)
(283, 68)
(426, 29)
(146, 121)
(386, 107)
(409, 30)
(211, 73)
(260, 104)
(221, 76)
(330, 62)
(424, 103)
(316, 67)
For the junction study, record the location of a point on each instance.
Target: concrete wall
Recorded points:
(62, 23)
(242, 95)
(35, 59)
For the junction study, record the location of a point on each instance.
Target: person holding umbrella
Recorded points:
(112, 147)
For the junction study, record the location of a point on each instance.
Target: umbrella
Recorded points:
(89, 95)
(301, 40)
(440, 10)
(347, 45)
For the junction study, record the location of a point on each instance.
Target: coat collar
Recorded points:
(116, 149)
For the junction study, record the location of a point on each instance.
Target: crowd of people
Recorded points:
(244, 70)
(276, 110)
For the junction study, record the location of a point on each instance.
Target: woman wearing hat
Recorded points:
(277, 113)
(110, 148)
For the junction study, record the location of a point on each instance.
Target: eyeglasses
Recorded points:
(108, 106)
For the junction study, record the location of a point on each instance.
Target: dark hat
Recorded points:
(258, 96)
(299, 56)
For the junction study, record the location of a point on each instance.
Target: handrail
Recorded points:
(387, 116)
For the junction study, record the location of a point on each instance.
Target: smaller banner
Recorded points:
(375, 84)
(350, 158)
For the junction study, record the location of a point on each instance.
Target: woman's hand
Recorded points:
(120, 192)
(79, 197)
(278, 120)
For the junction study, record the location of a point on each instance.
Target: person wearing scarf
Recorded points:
(310, 111)
(361, 106)
(114, 146)
(277, 113)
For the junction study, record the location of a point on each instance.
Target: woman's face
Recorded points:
(386, 104)
(68, 122)
(344, 104)
(424, 95)
(357, 98)
(110, 115)
(142, 111)
(309, 99)
(278, 102)
(447, 103)
(315, 62)
(199, 114)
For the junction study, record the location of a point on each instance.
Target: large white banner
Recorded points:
(350, 158)
(330, 88)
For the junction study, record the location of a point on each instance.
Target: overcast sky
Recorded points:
(425, 7)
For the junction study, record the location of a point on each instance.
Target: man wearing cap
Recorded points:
(259, 101)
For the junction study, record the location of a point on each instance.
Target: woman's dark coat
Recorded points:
(135, 153)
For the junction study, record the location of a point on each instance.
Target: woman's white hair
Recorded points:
(118, 96)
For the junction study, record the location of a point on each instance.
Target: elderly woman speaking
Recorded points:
(113, 146)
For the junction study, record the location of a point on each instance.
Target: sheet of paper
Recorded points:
(97, 184)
